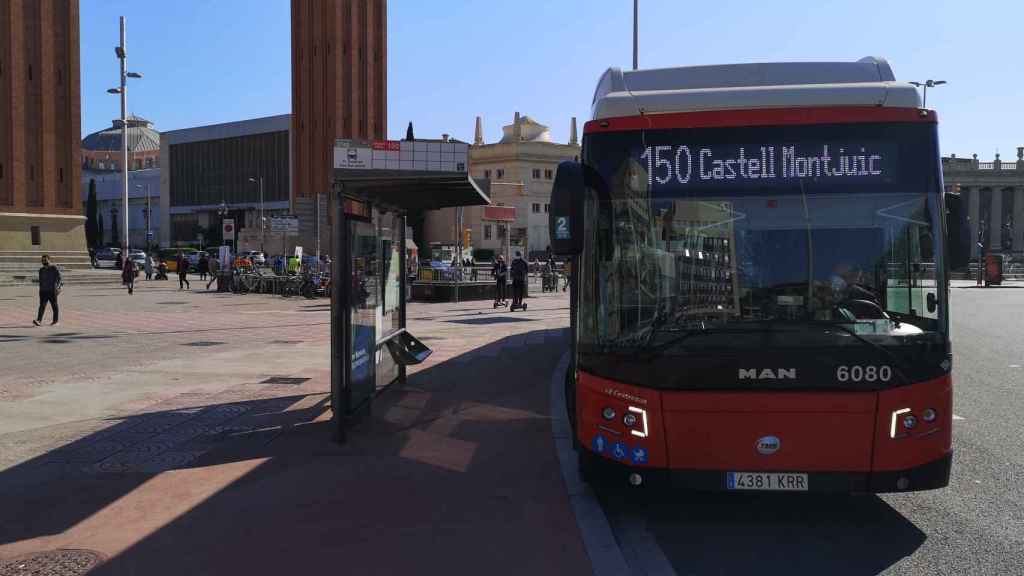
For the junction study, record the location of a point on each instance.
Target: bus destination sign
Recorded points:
(763, 165)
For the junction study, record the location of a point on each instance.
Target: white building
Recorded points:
(143, 205)
(521, 170)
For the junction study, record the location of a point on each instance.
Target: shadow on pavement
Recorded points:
(455, 468)
(777, 533)
(490, 320)
(51, 493)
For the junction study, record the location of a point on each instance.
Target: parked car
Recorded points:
(138, 257)
(170, 255)
(107, 257)
(255, 256)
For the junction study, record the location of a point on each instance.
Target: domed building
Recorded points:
(521, 170)
(101, 151)
(101, 172)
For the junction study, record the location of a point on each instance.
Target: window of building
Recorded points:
(138, 164)
(30, 72)
(60, 175)
(549, 174)
(1, 170)
(500, 173)
(487, 231)
(536, 173)
(36, 240)
(487, 174)
(536, 208)
(149, 162)
(546, 208)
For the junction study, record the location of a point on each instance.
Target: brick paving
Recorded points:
(182, 460)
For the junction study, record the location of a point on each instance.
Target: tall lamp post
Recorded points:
(262, 219)
(149, 233)
(223, 211)
(123, 91)
(925, 86)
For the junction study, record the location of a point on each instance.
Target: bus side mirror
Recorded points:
(565, 220)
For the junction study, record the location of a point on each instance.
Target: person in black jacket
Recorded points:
(183, 265)
(500, 272)
(519, 271)
(49, 288)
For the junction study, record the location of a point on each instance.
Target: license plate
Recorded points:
(766, 481)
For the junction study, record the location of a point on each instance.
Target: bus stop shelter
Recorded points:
(370, 345)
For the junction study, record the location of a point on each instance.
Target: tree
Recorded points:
(408, 133)
(99, 230)
(91, 229)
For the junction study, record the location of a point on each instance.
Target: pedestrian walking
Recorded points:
(519, 271)
(92, 258)
(128, 275)
(161, 270)
(203, 266)
(214, 267)
(183, 272)
(50, 283)
(500, 273)
(148, 266)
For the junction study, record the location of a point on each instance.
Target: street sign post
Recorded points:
(228, 230)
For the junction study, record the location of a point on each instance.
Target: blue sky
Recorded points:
(208, 61)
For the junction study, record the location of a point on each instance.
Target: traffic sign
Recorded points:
(229, 228)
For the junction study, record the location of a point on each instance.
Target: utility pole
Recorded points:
(124, 134)
(636, 33)
(122, 89)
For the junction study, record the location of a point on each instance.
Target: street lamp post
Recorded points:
(262, 219)
(222, 211)
(925, 86)
(123, 91)
(149, 234)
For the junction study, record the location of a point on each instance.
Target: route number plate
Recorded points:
(766, 481)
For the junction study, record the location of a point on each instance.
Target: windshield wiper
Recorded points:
(897, 364)
(651, 351)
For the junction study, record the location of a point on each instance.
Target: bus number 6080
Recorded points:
(864, 373)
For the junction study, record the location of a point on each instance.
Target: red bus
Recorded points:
(760, 292)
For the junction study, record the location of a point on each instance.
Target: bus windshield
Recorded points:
(800, 245)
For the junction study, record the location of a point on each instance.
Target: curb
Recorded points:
(606, 558)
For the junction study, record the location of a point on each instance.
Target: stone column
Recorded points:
(1018, 219)
(973, 212)
(995, 227)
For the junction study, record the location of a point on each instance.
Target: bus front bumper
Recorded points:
(608, 473)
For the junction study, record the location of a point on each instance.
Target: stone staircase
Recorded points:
(20, 268)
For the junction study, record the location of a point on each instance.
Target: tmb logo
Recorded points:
(768, 374)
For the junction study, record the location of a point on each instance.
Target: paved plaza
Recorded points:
(150, 430)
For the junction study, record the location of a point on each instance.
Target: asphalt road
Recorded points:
(975, 526)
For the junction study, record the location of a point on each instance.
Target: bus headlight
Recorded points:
(928, 415)
(608, 413)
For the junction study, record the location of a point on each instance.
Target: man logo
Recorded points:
(768, 445)
(768, 374)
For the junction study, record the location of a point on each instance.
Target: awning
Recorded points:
(414, 189)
